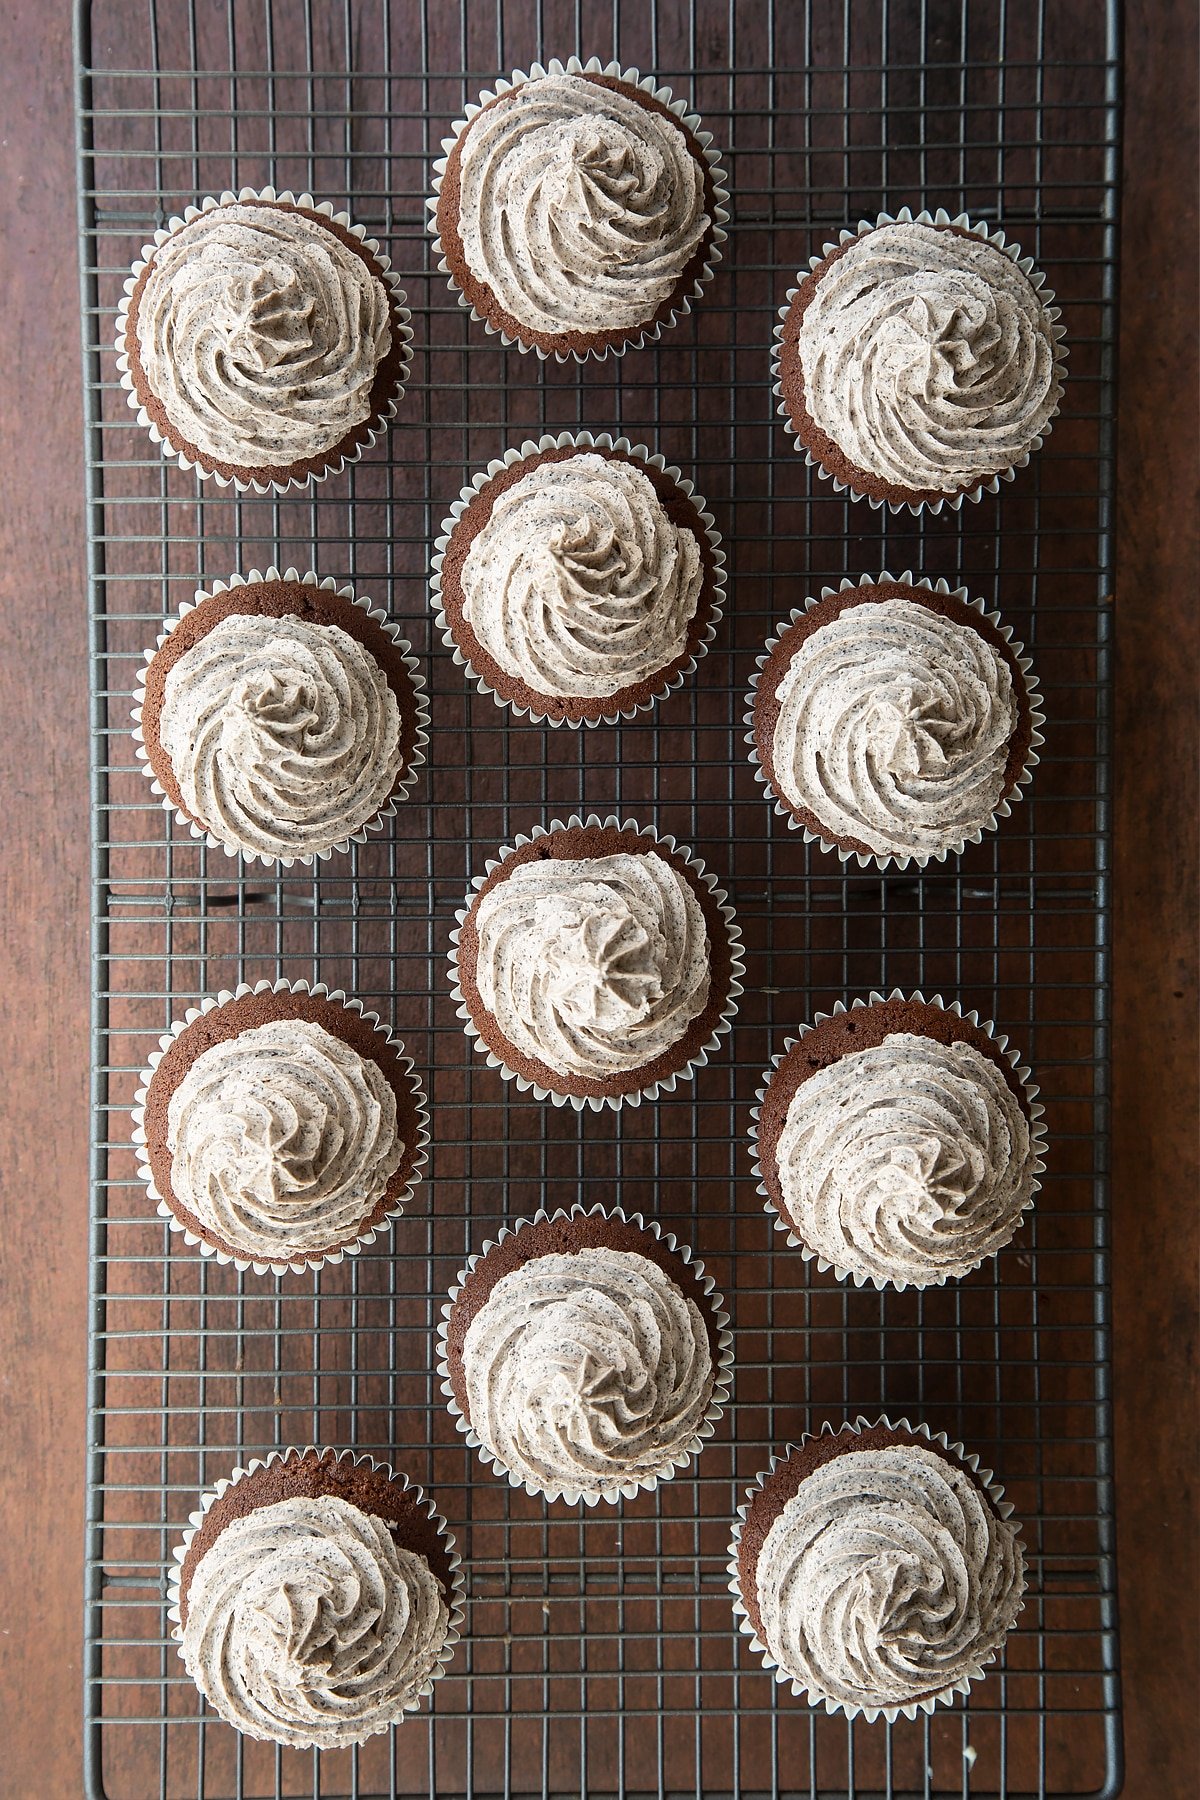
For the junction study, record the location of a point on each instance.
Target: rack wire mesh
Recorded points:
(600, 1657)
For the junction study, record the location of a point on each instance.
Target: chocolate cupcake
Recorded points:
(280, 717)
(894, 721)
(263, 340)
(280, 1127)
(920, 362)
(315, 1598)
(578, 579)
(898, 1142)
(585, 1355)
(578, 209)
(876, 1569)
(596, 963)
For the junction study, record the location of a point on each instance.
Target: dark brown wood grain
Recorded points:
(1155, 966)
(44, 979)
(44, 910)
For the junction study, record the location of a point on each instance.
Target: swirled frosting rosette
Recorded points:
(280, 717)
(315, 1598)
(876, 1569)
(894, 721)
(898, 1142)
(280, 1127)
(263, 340)
(578, 579)
(596, 963)
(920, 362)
(585, 1355)
(578, 209)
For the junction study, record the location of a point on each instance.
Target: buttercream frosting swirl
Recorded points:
(579, 584)
(894, 728)
(283, 735)
(887, 1578)
(586, 1372)
(282, 1139)
(579, 208)
(261, 333)
(909, 1161)
(307, 1624)
(928, 357)
(594, 966)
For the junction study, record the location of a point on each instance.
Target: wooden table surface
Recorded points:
(44, 911)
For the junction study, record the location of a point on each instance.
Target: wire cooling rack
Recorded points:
(600, 1656)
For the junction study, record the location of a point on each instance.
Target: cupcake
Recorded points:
(894, 721)
(579, 209)
(899, 1142)
(585, 1355)
(280, 718)
(315, 1599)
(876, 1569)
(920, 362)
(263, 340)
(280, 1127)
(578, 579)
(596, 963)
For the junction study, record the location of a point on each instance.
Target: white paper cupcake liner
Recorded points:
(1037, 1130)
(723, 1374)
(456, 1599)
(582, 441)
(946, 1696)
(736, 958)
(408, 775)
(633, 78)
(995, 237)
(918, 859)
(305, 1264)
(401, 325)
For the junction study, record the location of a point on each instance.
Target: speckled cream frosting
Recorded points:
(910, 1161)
(593, 966)
(894, 728)
(283, 735)
(587, 1371)
(579, 207)
(282, 1140)
(887, 1578)
(261, 334)
(308, 1625)
(579, 584)
(928, 358)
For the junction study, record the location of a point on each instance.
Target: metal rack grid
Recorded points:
(600, 1657)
